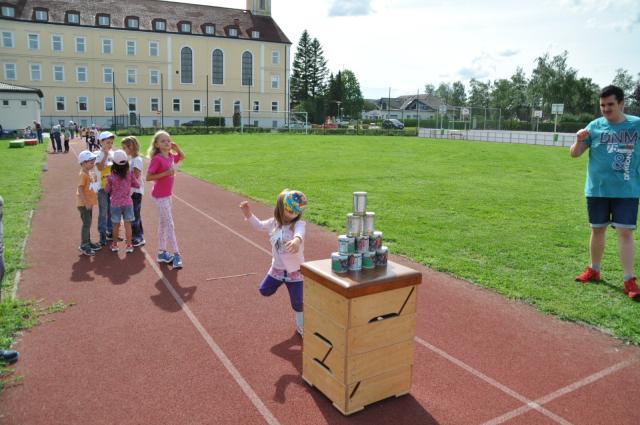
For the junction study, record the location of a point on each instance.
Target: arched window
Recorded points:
(247, 68)
(186, 66)
(217, 71)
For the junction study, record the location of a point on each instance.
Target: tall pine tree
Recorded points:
(308, 79)
(301, 70)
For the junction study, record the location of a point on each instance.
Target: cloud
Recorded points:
(628, 25)
(350, 8)
(508, 52)
(469, 73)
(481, 66)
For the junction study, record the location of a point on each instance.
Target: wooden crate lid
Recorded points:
(365, 282)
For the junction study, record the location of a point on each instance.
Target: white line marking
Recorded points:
(244, 385)
(566, 390)
(230, 276)
(529, 404)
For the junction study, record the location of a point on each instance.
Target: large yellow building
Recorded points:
(146, 62)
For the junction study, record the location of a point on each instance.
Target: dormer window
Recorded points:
(255, 34)
(72, 17)
(132, 22)
(209, 29)
(184, 27)
(41, 15)
(233, 32)
(159, 25)
(103, 20)
(8, 12)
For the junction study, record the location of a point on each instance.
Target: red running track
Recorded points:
(142, 344)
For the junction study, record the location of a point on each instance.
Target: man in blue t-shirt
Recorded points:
(613, 183)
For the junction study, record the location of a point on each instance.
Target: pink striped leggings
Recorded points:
(166, 231)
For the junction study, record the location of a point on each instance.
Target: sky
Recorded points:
(402, 45)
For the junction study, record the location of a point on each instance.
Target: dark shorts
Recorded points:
(618, 212)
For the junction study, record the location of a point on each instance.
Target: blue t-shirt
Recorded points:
(614, 161)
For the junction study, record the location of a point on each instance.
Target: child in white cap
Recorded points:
(119, 184)
(86, 198)
(104, 159)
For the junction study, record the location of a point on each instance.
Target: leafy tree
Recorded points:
(353, 100)
(458, 94)
(444, 92)
(430, 90)
(624, 80)
(480, 93)
(554, 82)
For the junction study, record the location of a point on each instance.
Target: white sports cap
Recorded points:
(86, 156)
(120, 157)
(105, 135)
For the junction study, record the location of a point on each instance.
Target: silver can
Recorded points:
(359, 203)
(355, 261)
(368, 260)
(369, 225)
(375, 241)
(339, 262)
(354, 225)
(382, 255)
(346, 244)
(362, 243)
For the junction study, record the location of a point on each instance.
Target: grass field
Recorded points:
(507, 217)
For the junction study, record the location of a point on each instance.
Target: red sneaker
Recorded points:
(588, 275)
(631, 288)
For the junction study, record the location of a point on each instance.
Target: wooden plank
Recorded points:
(372, 336)
(400, 301)
(326, 301)
(394, 382)
(316, 322)
(319, 348)
(320, 378)
(376, 362)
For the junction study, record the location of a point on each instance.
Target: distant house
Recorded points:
(402, 107)
(19, 106)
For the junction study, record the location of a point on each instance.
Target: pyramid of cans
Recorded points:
(361, 247)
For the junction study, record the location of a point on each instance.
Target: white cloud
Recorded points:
(350, 8)
(508, 52)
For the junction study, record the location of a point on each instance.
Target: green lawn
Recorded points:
(507, 217)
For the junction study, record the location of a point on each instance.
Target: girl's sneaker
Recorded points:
(138, 242)
(114, 246)
(103, 239)
(164, 257)
(95, 246)
(86, 250)
(177, 261)
(129, 248)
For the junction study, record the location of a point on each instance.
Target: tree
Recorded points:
(554, 81)
(353, 100)
(480, 93)
(318, 72)
(624, 80)
(430, 90)
(458, 94)
(444, 92)
(300, 77)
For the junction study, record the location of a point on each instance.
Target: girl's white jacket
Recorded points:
(282, 259)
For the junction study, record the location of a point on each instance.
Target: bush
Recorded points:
(236, 119)
(215, 121)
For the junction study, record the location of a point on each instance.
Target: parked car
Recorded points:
(393, 123)
(193, 123)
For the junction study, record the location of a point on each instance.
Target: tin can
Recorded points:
(369, 219)
(375, 241)
(362, 243)
(346, 244)
(368, 260)
(355, 261)
(354, 225)
(339, 262)
(359, 203)
(382, 254)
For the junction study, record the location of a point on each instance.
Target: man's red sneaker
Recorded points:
(631, 288)
(588, 275)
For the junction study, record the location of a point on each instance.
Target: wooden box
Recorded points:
(358, 332)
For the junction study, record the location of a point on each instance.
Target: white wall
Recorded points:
(15, 115)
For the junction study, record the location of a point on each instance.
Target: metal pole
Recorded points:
(389, 104)
(206, 119)
(484, 127)
(161, 100)
(418, 111)
(249, 115)
(113, 84)
(500, 119)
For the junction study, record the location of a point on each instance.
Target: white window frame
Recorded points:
(37, 41)
(41, 16)
(8, 11)
(153, 72)
(106, 42)
(160, 26)
(276, 104)
(217, 105)
(55, 38)
(81, 41)
(107, 100)
(8, 69)
(75, 15)
(132, 101)
(176, 102)
(10, 44)
(104, 75)
(237, 106)
(157, 48)
(131, 43)
(61, 67)
(233, 32)
(275, 57)
(275, 81)
(199, 103)
(209, 29)
(86, 102)
(104, 21)
(86, 74)
(5, 103)
(130, 20)
(255, 34)
(132, 72)
(33, 67)
(185, 28)
(256, 106)
(151, 104)
(62, 99)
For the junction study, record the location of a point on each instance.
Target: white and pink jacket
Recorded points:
(282, 259)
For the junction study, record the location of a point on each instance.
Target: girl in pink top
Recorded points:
(286, 233)
(119, 184)
(165, 155)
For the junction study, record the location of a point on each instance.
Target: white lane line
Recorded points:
(565, 390)
(244, 385)
(529, 404)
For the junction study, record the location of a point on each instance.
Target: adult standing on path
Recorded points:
(38, 128)
(612, 187)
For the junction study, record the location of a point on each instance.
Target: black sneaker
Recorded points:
(87, 250)
(109, 236)
(139, 242)
(96, 246)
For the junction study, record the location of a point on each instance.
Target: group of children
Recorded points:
(112, 180)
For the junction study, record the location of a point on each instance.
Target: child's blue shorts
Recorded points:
(619, 212)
